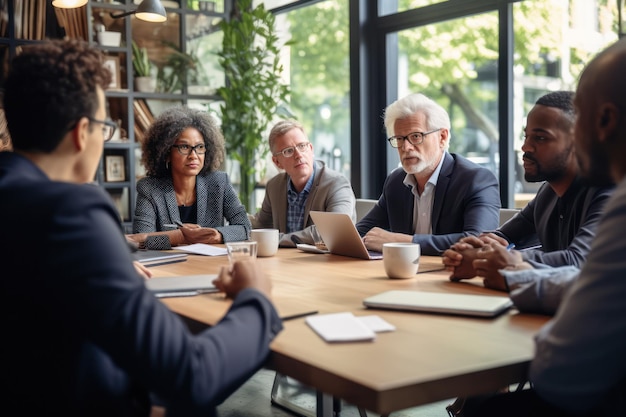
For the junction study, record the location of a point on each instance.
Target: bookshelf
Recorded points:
(190, 32)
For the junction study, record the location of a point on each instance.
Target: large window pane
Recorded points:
(554, 41)
(319, 73)
(394, 6)
(457, 71)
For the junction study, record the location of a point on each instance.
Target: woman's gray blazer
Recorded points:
(216, 199)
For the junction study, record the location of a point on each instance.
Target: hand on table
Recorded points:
(375, 238)
(142, 270)
(459, 257)
(490, 259)
(188, 233)
(243, 274)
(193, 233)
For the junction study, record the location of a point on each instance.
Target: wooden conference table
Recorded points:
(428, 357)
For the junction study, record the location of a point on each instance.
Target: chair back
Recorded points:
(363, 206)
(506, 214)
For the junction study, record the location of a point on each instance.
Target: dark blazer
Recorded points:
(216, 200)
(466, 202)
(82, 336)
(563, 227)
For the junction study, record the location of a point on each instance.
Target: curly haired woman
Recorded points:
(182, 153)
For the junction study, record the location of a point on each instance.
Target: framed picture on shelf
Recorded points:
(115, 167)
(113, 64)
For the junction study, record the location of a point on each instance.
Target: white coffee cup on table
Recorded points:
(401, 260)
(267, 241)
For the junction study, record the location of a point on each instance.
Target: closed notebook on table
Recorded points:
(157, 257)
(182, 286)
(444, 303)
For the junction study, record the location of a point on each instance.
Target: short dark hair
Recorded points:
(563, 100)
(50, 86)
(168, 126)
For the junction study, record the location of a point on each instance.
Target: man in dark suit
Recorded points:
(82, 334)
(437, 197)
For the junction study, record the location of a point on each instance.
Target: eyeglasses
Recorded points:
(185, 149)
(415, 138)
(108, 127)
(288, 152)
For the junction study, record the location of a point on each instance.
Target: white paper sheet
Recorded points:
(340, 327)
(202, 249)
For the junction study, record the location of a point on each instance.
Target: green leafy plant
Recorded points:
(142, 66)
(180, 69)
(254, 92)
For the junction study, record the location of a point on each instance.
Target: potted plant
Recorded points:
(254, 92)
(180, 69)
(142, 69)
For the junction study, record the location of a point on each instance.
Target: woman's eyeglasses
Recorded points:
(185, 149)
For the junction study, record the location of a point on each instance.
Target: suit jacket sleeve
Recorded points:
(238, 227)
(521, 229)
(467, 202)
(146, 211)
(579, 361)
(108, 303)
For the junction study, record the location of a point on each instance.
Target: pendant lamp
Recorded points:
(148, 10)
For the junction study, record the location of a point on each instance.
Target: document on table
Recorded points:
(345, 327)
(202, 249)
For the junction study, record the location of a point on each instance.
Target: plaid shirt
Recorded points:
(295, 204)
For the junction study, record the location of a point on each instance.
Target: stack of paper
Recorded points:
(345, 327)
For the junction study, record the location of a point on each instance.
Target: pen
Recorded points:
(174, 225)
(297, 316)
(510, 246)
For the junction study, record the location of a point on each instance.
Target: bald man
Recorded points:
(579, 367)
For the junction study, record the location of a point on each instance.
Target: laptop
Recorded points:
(182, 286)
(157, 257)
(444, 303)
(340, 235)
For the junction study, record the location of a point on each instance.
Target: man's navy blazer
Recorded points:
(83, 336)
(467, 202)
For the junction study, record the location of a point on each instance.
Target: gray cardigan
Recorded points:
(331, 191)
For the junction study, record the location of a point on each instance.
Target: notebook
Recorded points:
(157, 257)
(182, 286)
(445, 303)
(340, 235)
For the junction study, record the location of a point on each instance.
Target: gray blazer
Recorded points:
(216, 200)
(331, 191)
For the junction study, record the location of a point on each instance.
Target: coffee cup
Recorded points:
(401, 260)
(240, 251)
(267, 241)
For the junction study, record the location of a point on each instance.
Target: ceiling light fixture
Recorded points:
(68, 4)
(148, 10)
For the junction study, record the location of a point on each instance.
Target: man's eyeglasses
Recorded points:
(185, 149)
(288, 152)
(415, 138)
(108, 127)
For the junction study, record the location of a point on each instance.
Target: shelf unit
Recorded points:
(191, 30)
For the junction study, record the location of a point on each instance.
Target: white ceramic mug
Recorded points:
(401, 260)
(240, 251)
(267, 241)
